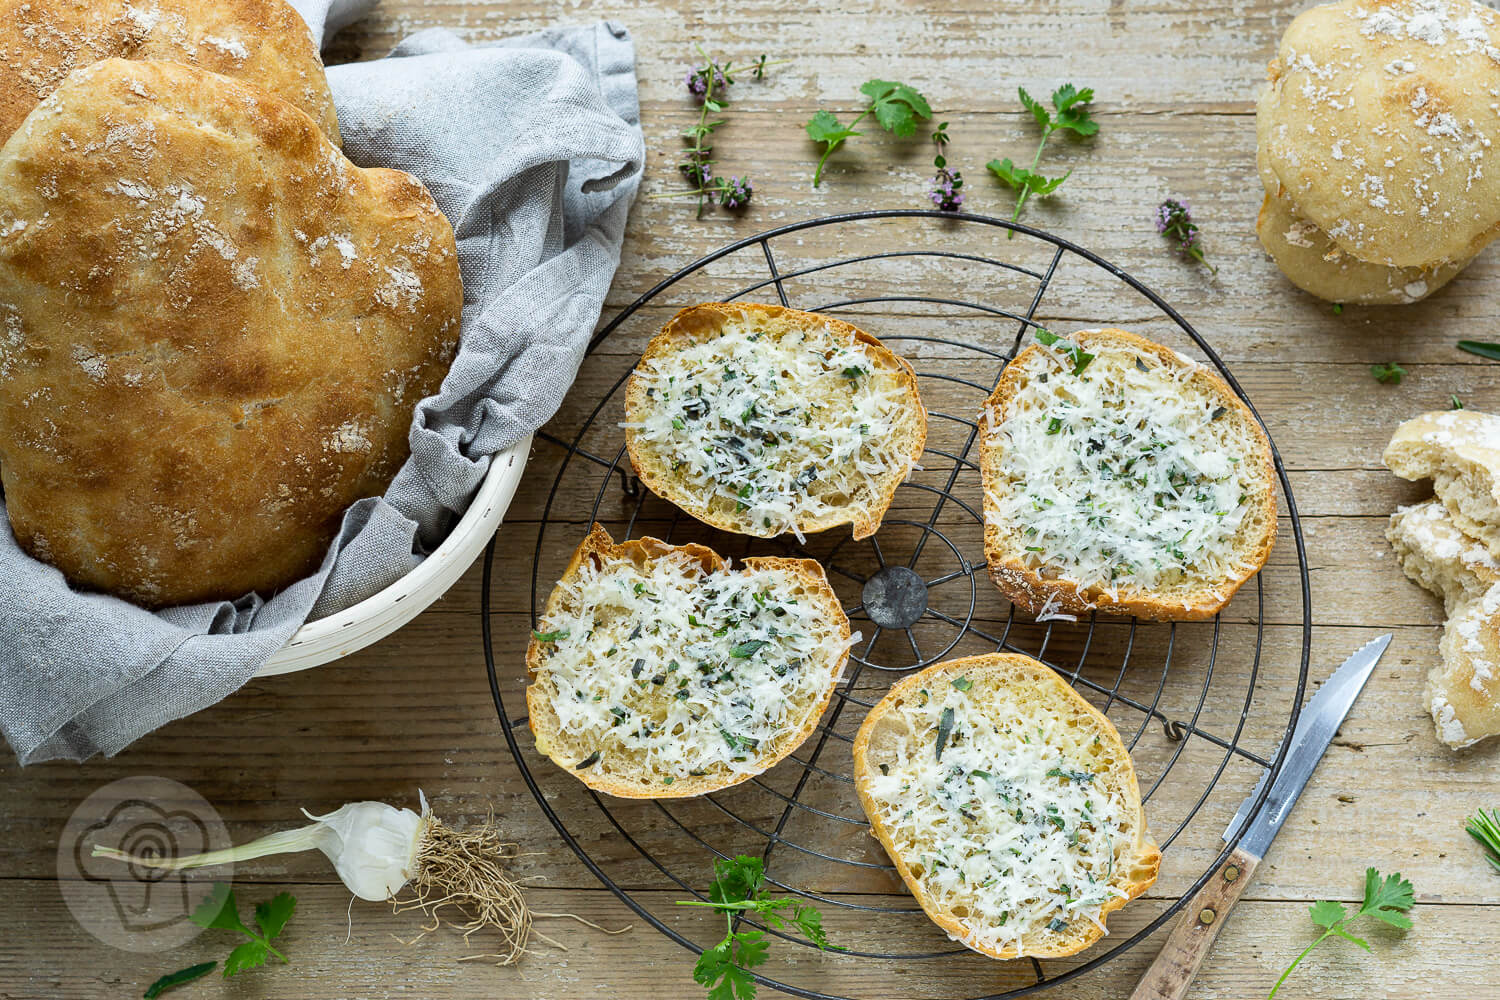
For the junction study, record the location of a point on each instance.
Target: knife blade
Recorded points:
(1316, 727)
(1182, 956)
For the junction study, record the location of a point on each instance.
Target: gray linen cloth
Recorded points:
(533, 150)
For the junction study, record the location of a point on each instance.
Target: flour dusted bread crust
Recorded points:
(213, 332)
(660, 671)
(1449, 546)
(1377, 122)
(761, 420)
(262, 42)
(1434, 552)
(1459, 450)
(1315, 264)
(1121, 477)
(1008, 804)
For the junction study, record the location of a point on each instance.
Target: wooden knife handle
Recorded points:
(1181, 957)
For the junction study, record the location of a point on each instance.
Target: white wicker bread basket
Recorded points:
(378, 616)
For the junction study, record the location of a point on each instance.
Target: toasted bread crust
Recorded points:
(1019, 671)
(599, 547)
(701, 322)
(1029, 589)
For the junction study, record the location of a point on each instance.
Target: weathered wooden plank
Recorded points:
(1263, 935)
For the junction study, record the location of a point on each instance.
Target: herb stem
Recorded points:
(823, 160)
(1036, 161)
(1297, 961)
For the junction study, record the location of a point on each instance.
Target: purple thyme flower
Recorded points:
(1174, 220)
(698, 172)
(734, 193)
(945, 191)
(697, 81)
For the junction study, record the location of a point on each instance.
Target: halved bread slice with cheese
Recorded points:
(1123, 477)
(1008, 803)
(764, 420)
(1459, 450)
(658, 671)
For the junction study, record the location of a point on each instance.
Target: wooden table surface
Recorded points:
(1176, 80)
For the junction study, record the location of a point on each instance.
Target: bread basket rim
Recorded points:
(332, 638)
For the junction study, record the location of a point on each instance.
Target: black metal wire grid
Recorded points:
(808, 823)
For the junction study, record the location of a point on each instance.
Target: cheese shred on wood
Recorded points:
(775, 421)
(663, 671)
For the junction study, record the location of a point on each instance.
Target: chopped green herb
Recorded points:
(178, 978)
(1454, 403)
(560, 634)
(1389, 373)
(962, 683)
(945, 730)
(746, 649)
(1491, 351)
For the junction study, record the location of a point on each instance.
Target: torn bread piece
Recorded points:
(1463, 691)
(1459, 450)
(1433, 552)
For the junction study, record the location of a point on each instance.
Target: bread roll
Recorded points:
(1378, 122)
(264, 42)
(213, 331)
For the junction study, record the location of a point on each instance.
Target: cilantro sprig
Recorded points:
(897, 107)
(220, 911)
(1068, 114)
(1387, 899)
(739, 887)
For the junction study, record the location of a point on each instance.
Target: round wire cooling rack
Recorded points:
(1203, 707)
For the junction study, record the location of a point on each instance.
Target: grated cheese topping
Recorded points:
(1113, 473)
(782, 426)
(671, 671)
(1009, 823)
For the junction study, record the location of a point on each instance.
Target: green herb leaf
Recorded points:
(1491, 351)
(1325, 913)
(1038, 110)
(738, 888)
(1046, 337)
(824, 127)
(897, 106)
(178, 978)
(945, 730)
(1387, 899)
(1389, 373)
(250, 955)
(272, 916)
(1070, 115)
(219, 910)
(962, 683)
(1454, 403)
(561, 633)
(746, 649)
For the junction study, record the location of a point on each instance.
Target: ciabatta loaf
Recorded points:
(1120, 476)
(659, 671)
(264, 43)
(1008, 804)
(763, 420)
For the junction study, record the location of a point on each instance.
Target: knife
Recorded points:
(1203, 917)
